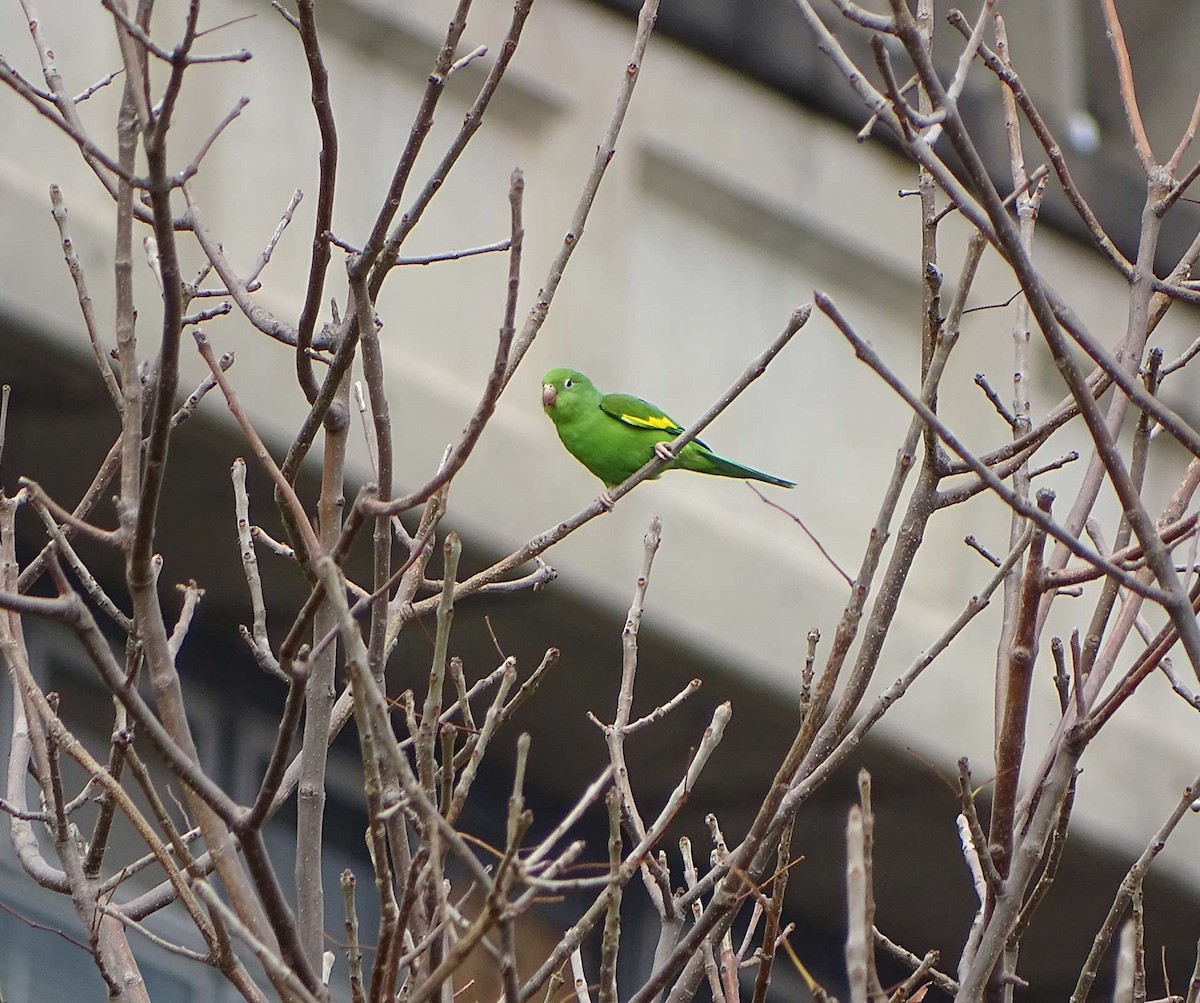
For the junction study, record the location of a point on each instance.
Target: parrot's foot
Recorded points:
(605, 499)
(664, 451)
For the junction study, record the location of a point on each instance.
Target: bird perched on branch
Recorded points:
(614, 435)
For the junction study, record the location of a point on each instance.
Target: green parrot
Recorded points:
(614, 435)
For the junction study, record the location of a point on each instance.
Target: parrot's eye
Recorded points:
(567, 384)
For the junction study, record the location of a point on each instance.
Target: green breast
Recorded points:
(609, 448)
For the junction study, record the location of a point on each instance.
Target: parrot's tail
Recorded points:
(705, 462)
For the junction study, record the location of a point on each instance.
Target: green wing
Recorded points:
(637, 413)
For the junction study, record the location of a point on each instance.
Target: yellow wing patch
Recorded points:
(656, 421)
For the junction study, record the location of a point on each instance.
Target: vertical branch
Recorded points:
(353, 952)
(427, 733)
(771, 927)
(327, 164)
(1010, 742)
(59, 212)
(1027, 208)
(372, 363)
(874, 989)
(519, 820)
(706, 948)
(5, 393)
(319, 696)
(931, 275)
(383, 971)
(1133, 115)
(126, 313)
(25, 723)
(1123, 980)
(611, 940)
(657, 881)
(395, 825)
(858, 932)
(974, 977)
(260, 643)
(162, 406)
(122, 736)
(582, 995)
(38, 743)
(1138, 920)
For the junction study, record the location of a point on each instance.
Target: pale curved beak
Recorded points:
(549, 395)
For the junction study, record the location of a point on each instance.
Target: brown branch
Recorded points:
(327, 166)
(807, 532)
(1133, 116)
(1017, 681)
(59, 212)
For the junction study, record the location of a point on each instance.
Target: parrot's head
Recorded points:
(566, 393)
